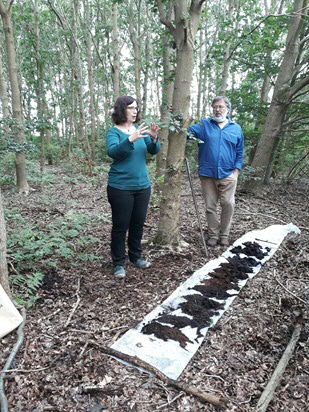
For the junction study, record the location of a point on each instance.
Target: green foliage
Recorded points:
(33, 248)
(27, 285)
(7, 169)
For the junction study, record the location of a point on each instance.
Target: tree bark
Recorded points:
(4, 101)
(17, 126)
(165, 114)
(184, 33)
(78, 79)
(134, 29)
(4, 274)
(226, 54)
(282, 97)
(92, 111)
(116, 62)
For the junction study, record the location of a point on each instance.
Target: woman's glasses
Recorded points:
(133, 108)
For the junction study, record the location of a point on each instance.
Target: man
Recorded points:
(220, 158)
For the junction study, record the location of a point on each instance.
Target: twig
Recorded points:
(268, 392)
(170, 402)
(263, 214)
(26, 370)
(82, 351)
(20, 339)
(287, 290)
(76, 304)
(201, 395)
(265, 241)
(120, 332)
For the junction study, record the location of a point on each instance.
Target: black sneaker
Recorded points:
(141, 263)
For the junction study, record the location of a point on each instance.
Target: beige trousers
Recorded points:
(221, 191)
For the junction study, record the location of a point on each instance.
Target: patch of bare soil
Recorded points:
(80, 305)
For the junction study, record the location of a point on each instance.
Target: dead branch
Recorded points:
(171, 401)
(76, 304)
(262, 214)
(20, 339)
(268, 392)
(190, 390)
(99, 389)
(287, 290)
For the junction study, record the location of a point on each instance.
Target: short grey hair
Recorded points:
(226, 101)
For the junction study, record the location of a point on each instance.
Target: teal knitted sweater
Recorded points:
(128, 170)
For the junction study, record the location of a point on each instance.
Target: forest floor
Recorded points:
(81, 309)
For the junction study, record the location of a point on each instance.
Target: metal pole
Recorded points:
(196, 208)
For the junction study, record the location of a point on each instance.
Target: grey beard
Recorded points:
(220, 119)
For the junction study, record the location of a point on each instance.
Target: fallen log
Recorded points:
(205, 397)
(268, 392)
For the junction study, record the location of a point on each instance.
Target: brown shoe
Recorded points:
(224, 241)
(212, 242)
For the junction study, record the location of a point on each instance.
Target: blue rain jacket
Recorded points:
(221, 150)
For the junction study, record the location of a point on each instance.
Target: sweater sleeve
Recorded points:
(117, 148)
(152, 147)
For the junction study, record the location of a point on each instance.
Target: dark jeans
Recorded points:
(129, 210)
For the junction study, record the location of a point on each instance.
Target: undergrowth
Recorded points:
(34, 248)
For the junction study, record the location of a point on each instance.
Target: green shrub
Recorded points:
(33, 248)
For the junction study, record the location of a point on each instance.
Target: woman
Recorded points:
(128, 188)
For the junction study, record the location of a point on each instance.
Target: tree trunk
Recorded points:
(167, 98)
(92, 110)
(226, 54)
(78, 79)
(116, 62)
(20, 162)
(4, 102)
(134, 29)
(4, 275)
(282, 96)
(184, 33)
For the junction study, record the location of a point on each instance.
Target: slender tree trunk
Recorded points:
(145, 71)
(134, 29)
(4, 275)
(201, 75)
(18, 132)
(92, 110)
(78, 79)
(167, 98)
(4, 101)
(116, 62)
(184, 33)
(226, 55)
(282, 96)
(39, 86)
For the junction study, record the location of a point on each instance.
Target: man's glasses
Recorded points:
(219, 107)
(134, 109)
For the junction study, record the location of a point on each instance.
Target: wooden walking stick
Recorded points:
(196, 208)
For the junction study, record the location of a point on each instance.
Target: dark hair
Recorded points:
(119, 113)
(226, 101)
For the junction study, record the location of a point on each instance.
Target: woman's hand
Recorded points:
(153, 131)
(140, 133)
